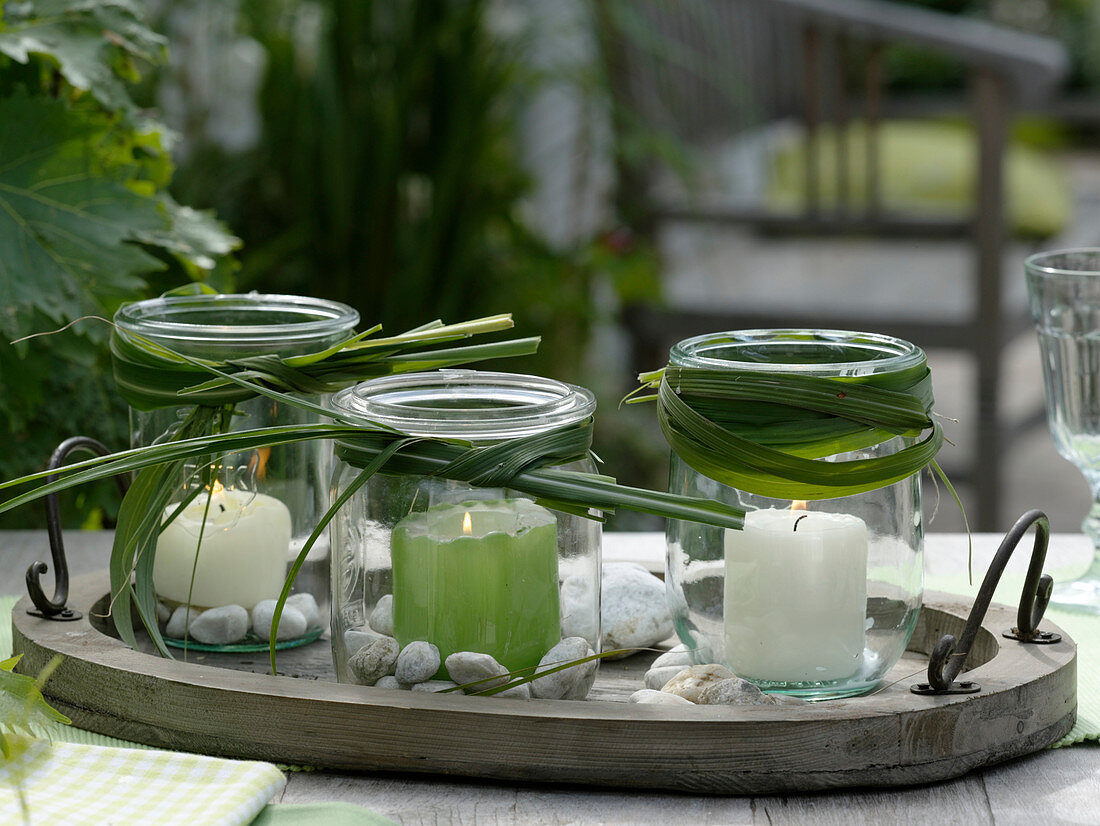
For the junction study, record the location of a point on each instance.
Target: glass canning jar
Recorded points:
(264, 503)
(814, 599)
(464, 568)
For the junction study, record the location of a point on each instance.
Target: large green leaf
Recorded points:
(91, 41)
(65, 217)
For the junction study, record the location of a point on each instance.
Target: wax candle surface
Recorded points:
(492, 589)
(243, 557)
(796, 600)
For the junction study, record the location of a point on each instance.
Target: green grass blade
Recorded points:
(361, 479)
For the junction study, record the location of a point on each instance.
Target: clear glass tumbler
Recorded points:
(263, 503)
(813, 599)
(1064, 289)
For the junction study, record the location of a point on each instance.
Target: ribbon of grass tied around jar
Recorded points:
(820, 436)
(217, 450)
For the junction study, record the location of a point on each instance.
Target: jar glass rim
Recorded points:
(238, 317)
(1055, 263)
(877, 353)
(467, 404)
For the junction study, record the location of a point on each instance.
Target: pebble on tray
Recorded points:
(374, 660)
(381, 618)
(633, 608)
(306, 605)
(691, 682)
(435, 686)
(571, 683)
(177, 623)
(223, 625)
(417, 662)
(356, 638)
(291, 624)
(648, 696)
(470, 667)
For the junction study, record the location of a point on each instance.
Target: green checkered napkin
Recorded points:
(71, 776)
(78, 784)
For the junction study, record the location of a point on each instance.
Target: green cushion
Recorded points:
(927, 168)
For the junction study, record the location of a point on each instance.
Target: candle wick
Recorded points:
(795, 528)
(220, 505)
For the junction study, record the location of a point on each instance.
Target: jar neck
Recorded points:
(477, 406)
(825, 353)
(220, 327)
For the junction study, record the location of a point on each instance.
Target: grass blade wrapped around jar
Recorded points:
(820, 436)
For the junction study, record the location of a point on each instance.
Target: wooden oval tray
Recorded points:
(215, 704)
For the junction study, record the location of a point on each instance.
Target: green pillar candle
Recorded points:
(490, 585)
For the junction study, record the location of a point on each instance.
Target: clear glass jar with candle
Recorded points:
(463, 568)
(816, 599)
(263, 504)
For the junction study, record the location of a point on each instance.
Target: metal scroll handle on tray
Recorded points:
(949, 655)
(55, 608)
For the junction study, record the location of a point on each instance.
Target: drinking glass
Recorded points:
(1064, 289)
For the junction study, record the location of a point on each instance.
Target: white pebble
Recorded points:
(518, 692)
(177, 623)
(306, 605)
(356, 638)
(734, 691)
(291, 623)
(374, 660)
(691, 682)
(435, 686)
(466, 667)
(164, 613)
(677, 656)
(656, 678)
(220, 626)
(381, 618)
(570, 683)
(417, 662)
(390, 682)
(650, 697)
(633, 607)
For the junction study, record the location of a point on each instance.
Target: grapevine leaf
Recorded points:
(65, 217)
(91, 41)
(194, 236)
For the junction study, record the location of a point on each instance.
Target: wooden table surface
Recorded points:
(1053, 786)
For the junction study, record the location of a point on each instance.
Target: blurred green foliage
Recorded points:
(387, 173)
(86, 223)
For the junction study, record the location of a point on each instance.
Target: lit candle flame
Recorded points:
(257, 462)
(467, 524)
(799, 505)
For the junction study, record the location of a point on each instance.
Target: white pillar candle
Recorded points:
(243, 556)
(796, 597)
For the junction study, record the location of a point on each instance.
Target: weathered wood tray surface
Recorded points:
(226, 705)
